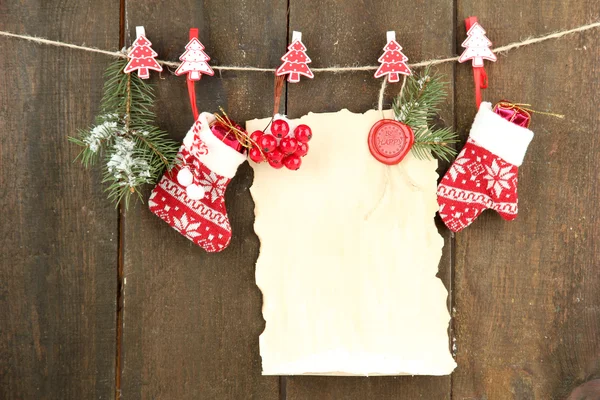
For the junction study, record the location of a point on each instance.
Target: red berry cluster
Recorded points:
(281, 147)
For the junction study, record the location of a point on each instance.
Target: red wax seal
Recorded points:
(390, 141)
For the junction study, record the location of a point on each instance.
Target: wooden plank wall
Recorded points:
(333, 36)
(192, 319)
(527, 292)
(59, 235)
(525, 295)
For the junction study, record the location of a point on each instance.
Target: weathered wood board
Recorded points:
(59, 234)
(525, 294)
(355, 34)
(192, 319)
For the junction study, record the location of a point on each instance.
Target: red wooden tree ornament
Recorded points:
(393, 61)
(142, 56)
(194, 59)
(295, 61)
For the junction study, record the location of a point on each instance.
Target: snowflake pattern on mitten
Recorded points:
(484, 175)
(476, 181)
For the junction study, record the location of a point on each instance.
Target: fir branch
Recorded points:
(135, 151)
(436, 141)
(418, 106)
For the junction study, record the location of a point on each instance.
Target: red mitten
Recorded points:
(190, 197)
(484, 175)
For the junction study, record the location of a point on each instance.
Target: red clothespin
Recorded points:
(194, 63)
(477, 48)
(393, 61)
(295, 61)
(142, 56)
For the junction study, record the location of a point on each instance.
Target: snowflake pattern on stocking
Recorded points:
(186, 226)
(190, 196)
(204, 221)
(213, 184)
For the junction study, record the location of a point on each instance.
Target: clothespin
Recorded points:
(296, 36)
(194, 63)
(477, 48)
(393, 61)
(295, 61)
(141, 55)
(139, 31)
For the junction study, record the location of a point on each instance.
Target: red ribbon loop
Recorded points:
(484, 78)
(190, 83)
(481, 82)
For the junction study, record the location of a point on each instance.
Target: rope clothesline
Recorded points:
(119, 54)
(175, 64)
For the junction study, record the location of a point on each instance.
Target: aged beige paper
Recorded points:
(348, 259)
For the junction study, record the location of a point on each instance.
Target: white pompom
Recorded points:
(185, 177)
(195, 192)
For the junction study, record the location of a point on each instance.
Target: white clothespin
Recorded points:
(391, 35)
(140, 31)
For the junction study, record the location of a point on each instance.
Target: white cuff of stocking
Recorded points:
(503, 138)
(221, 158)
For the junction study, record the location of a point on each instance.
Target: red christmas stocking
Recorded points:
(190, 197)
(484, 175)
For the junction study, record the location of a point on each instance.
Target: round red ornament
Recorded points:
(302, 149)
(267, 143)
(280, 128)
(288, 145)
(390, 141)
(256, 155)
(292, 162)
(303, 133)
(277, 164)
(275, 155)
(255, 136)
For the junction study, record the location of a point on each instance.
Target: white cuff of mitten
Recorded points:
(503, 138)
(220, 158)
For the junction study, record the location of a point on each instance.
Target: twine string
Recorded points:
(381, 94)
(526, 107)
(119, 54)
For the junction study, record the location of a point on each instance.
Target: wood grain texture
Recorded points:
(355, 34)
(192, 319)
(527, 291)
(59, 234)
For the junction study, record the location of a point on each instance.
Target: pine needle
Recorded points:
(417, 106)
(135, 152)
